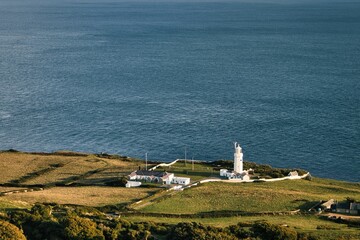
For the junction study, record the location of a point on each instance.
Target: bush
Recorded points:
(268, 231)
(326, 227)
(77, 228)
(306, 236)
(38, 223)
(239, 231)
(42, 211)
(197, 231)
(9, 231)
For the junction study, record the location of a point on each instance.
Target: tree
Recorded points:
(78, 228)
(196, 231)
(123, 181)
(41, 211)
(9, 231)
(239, 231)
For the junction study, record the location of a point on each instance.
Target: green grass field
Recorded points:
(255, 197)
(196, 171)
(301, 223)
(6, 204)
(306, 223)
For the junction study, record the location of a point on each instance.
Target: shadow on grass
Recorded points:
(306, 205)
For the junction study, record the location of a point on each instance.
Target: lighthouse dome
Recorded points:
(238, 148)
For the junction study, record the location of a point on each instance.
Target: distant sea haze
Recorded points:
(282, 78)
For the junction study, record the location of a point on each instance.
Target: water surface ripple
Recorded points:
(280, 77)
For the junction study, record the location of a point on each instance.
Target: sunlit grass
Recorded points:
(308, 222)
(6, 204)
(89, 196)
(255, 197)
(196, 171)
(301, 223)
(16, 165)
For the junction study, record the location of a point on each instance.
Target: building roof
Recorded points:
(293, 173)
(328, 204)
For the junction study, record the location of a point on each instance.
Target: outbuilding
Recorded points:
(181, 180)
(152, 176)
(131, 184)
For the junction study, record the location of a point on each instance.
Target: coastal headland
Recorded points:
(93, 185)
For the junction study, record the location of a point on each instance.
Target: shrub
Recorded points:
(42, 211)
(239, 231)
(268, 231)
(196, 231)
(326, 227)
(77, 228)
(9, 231)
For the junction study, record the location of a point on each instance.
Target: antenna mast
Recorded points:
(146, 161)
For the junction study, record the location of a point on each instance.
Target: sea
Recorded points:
(185, 79)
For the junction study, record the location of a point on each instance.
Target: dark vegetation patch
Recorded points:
(51, 221)
(260, 170)
(11, 150)
(210, 214)
(59, 153)
(116, 182)
(114, 156)
(326, 227)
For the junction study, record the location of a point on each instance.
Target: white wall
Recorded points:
(181, 180)
(132, 184)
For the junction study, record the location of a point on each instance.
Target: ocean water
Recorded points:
(279, 77)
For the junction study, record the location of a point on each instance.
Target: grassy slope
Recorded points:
(14, 165)
(258, 197)
(300, 223)
(90, 196)
(255, 197)
(6, 204)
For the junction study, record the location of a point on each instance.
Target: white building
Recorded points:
(181, 180)
(293, 174)
(225, 173)
(234, 175)
(152, 176)
(238, 172)
(158, 177)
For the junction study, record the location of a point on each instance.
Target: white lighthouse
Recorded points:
(238, 159)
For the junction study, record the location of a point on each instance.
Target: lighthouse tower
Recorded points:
(238, 159)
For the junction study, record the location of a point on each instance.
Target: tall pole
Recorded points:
(193, 162)
(185, 156)
(146, 161)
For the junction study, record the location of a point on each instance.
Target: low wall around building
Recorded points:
(164, 165)
(256, 180)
